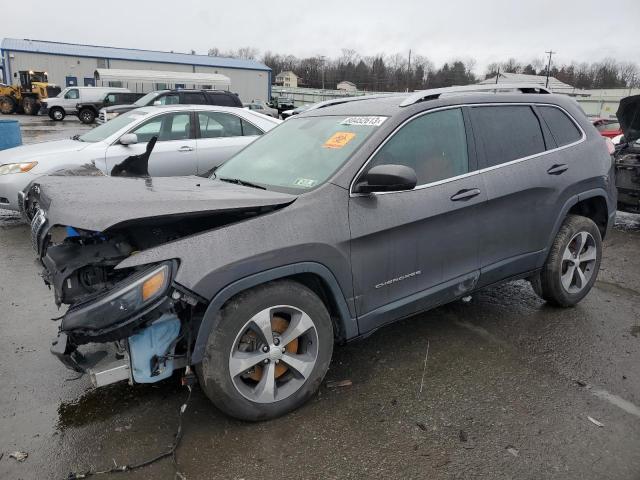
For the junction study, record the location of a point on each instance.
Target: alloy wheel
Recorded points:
(273, 354)
(578, 262)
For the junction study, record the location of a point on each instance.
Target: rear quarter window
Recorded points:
(507, 132)
(223, 100)
(563, 129)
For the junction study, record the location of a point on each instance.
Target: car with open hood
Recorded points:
(190, 140)
(340, 221)
(627, 155)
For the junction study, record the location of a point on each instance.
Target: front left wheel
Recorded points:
(268, 351)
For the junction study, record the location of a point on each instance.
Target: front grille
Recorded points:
(37, 226)
(102, 116)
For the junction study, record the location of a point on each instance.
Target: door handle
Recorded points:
(185, 149)
(557, 169)
(465, 194)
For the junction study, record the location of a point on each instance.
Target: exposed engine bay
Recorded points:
(627, 155)
(627, 158)
(150, 320)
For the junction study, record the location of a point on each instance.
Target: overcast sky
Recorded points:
(487, 30)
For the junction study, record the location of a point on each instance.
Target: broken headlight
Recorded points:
(126, 299)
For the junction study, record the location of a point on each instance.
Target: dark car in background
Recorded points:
(336, 223)
(627, 155)
(89, 111)
(221, 98)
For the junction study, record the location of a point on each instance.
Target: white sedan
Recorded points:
(192, 139)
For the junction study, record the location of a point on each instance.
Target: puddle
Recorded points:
(103, 403)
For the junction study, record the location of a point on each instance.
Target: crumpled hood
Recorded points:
(98, 203)
(39, 151)
(629, 117)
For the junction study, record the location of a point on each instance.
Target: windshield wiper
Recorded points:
(244, 183)
(77, 137)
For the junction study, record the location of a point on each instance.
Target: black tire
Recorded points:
(214, 371)
(30, 106)
(57, 114)
(7, 105)
(548, 284)
(87, 116)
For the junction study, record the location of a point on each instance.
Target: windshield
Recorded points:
(301, 153)
(146, 100)
(62, 93)
(105, 130)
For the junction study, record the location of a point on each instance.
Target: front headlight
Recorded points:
(8, 168)
(128, 298)
(112, 115)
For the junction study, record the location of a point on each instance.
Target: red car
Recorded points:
(608, 127)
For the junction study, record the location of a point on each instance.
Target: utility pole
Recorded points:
(550, 52)
(409, 72)
(498, 74)
(322, 57)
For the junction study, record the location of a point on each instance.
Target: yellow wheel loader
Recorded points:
(28, 94)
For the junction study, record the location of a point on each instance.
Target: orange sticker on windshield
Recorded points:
(339, 139)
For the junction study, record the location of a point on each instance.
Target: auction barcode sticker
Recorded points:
(365, 121)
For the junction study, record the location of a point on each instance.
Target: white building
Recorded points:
(347, 86)
(287, 79)
(72, 64)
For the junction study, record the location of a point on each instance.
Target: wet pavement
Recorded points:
(507, 392)
(41, 128)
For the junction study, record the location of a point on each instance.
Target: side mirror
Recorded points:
(386, 178)
(156, 103)
(128, 139)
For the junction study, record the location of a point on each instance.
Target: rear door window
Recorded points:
(217, 124)
(434, 145)
(563, 129)
(222, 100)
(507, 132)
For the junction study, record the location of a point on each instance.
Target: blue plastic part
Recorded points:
(72, 232)
(10, 135)
(155, 340)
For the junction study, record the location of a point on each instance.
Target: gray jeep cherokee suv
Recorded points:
(341, 220)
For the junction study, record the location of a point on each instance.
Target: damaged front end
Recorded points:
(140, 311)
(82, 232)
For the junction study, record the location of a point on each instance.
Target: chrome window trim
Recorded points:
(476, 172)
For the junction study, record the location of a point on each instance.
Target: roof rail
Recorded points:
(338, 101)
(423, 95)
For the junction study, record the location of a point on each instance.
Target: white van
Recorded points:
(65, 102)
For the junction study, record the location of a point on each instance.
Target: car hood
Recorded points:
(629, 117)
(27, 153)
(99, 203)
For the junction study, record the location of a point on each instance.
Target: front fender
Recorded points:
(348, 324)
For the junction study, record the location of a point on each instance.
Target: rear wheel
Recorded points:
(56, 114)
(30, 106)
(7, 105)
(268, 351)
(573, 263)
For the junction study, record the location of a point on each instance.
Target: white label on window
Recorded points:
(304, 182)
(365, 121)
